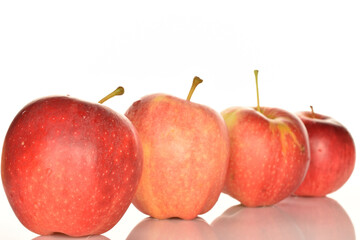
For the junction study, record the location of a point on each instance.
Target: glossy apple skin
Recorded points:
(332, 152)
(186, 154)
(269, 155)
(70, 166)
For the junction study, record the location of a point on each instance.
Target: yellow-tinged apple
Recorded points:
(269, 154)
(186, 153)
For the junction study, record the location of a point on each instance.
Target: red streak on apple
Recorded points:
(70, 166)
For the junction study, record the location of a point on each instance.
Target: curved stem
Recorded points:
(312, 112)
(196, 82)
(118, 91)
(256, 72)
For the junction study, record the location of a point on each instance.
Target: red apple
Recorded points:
(174, 229)
(332, 155)
(319, 218)
(239, 222)
(269, 154)
(186, 153)
(70, 166)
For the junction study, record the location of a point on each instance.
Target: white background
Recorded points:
(307, 53)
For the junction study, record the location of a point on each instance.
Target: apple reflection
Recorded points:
(174, 228)
(319, 218)
(293, 218)
(240, 222)
(65, 237)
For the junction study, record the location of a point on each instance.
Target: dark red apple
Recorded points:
(269, 154)
(186, 154)
(70, 166)
(175, 229)
(332, 155)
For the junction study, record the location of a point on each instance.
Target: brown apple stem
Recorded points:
(256, 72)
(196, 82)
(118, 91)
(312, 112)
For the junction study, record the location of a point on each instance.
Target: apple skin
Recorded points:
(70, 166)
(319, 218)
(174, 229)
(269, 155)
(332, 152)
(186, 154)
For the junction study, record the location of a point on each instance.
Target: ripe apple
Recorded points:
(332, 153)
(240, 222)
(151, 228)
(319, 218)
(269, 154)
(70, 166)
(186, 153)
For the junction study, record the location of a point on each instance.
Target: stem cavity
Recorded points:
(312, 112)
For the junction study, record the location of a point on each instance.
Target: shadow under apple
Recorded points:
(58, 236)
(174, 228)
(240, 222)
(319, 218)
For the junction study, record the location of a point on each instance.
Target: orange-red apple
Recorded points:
(186, 153)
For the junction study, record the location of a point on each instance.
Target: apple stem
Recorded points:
(312, 112)
(196, 82)
(256, 72)
(118, 91)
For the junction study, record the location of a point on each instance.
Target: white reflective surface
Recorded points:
(294, 218)
(64, 237)
(175, 229)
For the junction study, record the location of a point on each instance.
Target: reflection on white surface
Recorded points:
(294, 218)
(239, 222)
(319, 218)
(65, 237)
(174, 229)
